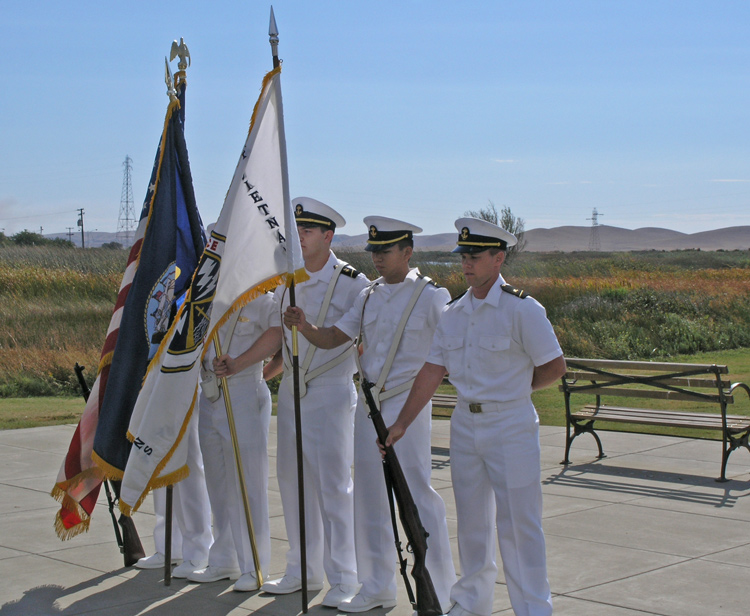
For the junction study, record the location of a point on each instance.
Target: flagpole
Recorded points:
(273, 39)
(238, 461)
(168, 538)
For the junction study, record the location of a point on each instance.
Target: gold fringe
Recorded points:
(110, 472)
(174, 104)
(69, 533)
(243, 300)
(70, 504)
(90, 473)
(266, 80)
(173, 477)
(298, 276)
(105, 361)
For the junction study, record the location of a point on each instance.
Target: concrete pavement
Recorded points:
(645, 531)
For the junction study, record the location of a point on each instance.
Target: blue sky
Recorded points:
(414, 109)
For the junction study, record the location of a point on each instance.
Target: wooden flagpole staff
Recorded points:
(238, 461)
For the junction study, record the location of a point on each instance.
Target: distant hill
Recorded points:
(611, 239)
(557, 239)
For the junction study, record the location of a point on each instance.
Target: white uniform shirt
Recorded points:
(255, 318)
(490, 350)
(309, 297)
(382, 314)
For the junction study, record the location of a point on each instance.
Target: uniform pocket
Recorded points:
(493, 351)
(453, 354)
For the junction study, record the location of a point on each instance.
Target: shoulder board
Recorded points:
(350, 271)
(431, 281)
(508, 288)
(455, 299)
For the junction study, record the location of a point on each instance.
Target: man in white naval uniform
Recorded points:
(399, 311)
(191, 532)
(327, 402)
(231, 554)
(497, 346)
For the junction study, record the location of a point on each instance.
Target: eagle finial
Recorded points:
(180, 49)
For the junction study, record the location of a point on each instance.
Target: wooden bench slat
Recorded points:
(658, 394)
(696, 381)
(663, 418)
(444, 400)
(645, 365)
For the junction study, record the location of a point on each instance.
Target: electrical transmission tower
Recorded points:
(126, 221)
(594, 244)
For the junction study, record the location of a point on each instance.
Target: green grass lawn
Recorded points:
(46, 411)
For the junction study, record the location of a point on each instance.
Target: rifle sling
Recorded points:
(379, 394)
(305, 376)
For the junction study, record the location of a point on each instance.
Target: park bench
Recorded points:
(443, 405)
(694, 396)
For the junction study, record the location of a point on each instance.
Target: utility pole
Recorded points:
(80, 224)
(70, 234)
(594, 244)
(126, 219)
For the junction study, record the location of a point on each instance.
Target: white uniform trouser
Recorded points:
(191, 532)
(376, 551)
(327, 445)
(495, 469)
(251, 406)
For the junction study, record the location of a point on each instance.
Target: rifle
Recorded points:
(427, 603)
(128, 541)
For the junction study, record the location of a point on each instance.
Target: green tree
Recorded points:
(27, 238)
(508, 221)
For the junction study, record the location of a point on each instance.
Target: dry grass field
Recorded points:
(55, 306)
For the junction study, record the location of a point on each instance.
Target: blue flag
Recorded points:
(172, 245)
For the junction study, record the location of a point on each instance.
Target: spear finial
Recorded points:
(171, 92)
(273, 38)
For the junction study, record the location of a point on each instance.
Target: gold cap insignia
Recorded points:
(299, 209)
(465, 233)
(373, 231)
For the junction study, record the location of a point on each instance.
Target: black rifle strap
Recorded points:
(399, 551)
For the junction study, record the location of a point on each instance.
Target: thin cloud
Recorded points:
(504, 161)
(729, 180)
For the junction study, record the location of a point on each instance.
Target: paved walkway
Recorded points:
(645, 531)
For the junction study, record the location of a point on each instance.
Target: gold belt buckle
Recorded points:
(475, 407)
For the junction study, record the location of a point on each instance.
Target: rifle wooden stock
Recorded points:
(427, 603)
(128, 540)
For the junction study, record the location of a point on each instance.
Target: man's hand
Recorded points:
(395, 432)
(295, 317)
(224, 366)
